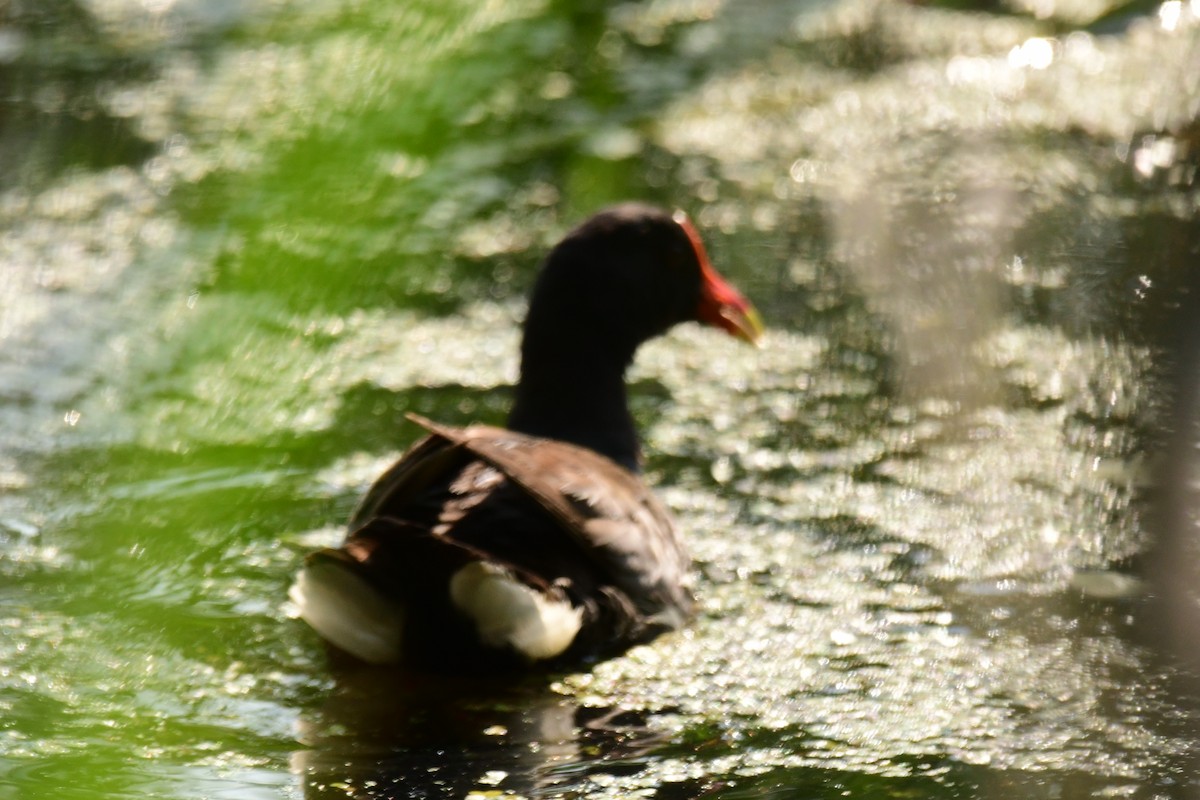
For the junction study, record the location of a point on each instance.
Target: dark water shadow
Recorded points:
(384, 733)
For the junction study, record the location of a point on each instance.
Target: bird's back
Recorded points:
(468, 508)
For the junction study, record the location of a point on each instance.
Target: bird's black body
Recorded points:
(548, 515)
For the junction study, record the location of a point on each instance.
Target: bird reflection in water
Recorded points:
(385, 734)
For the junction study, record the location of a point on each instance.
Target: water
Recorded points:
(932, 516)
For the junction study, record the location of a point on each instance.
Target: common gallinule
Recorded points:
(485, 546)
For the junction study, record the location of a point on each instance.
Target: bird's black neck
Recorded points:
(577, 397)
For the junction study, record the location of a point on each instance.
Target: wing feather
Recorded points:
(604, 507)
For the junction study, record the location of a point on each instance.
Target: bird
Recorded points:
(538, 543)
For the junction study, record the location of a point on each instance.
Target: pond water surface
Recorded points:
(941, 518)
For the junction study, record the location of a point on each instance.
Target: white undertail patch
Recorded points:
(348, 612)
(506, 612)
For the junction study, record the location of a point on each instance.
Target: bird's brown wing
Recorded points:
(428, 461)
(606, 509)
